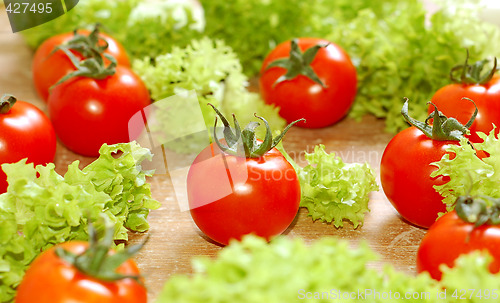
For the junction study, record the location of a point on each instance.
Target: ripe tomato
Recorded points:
(26, 132)
(486, 95)
(450, 237)
(405, 176)
(300, 96)
(405, 168)
(263, 198)
(87, 112)
(48, 68)
(50, 279)
(232, 195)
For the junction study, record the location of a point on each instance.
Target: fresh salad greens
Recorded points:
(42, 208)
(212, 69)
(468, 174)
(334, 191)
(400, 55)
(323, 271)
(145, 28)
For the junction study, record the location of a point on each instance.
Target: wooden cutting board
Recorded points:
(174, 237)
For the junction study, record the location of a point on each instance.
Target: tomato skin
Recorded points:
(87, 113)
(49, 68)
(405, 176)
(50, 279)
(450, 237)
(487, 98)
(265, 199)
(26, 132)
(301, 97)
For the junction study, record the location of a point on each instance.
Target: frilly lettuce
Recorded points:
(468, 174)
(284, 270)
(145, 28)
(42, 208)
(399, 53)
(333, 191)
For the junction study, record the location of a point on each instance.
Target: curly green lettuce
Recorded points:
(468, 174)
(145, 28)
(334, 191)
(213, 70)
(288, 270)
(42, 208)
(398, 54)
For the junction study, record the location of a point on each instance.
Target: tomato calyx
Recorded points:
(92, 67)
(298, 63)
(96, 261)
(478, 210)
(6, 103)
(442, 128)
(471, 74)
(246, 139)
(84, 44)
(92, 48)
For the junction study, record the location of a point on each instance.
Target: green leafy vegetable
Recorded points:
(145, 28)
(400, 55)
(42, 208)
(287, 270)
(212, 69)
(468, 174)
(334, 191)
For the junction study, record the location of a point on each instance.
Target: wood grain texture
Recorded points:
(174, 237)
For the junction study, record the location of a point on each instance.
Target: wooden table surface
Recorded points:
(174, 237)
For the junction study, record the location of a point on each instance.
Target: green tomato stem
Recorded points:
(247, 139)
(96, 262)
(298, 63)
(6, 103)
(442, 128)
(471, 74)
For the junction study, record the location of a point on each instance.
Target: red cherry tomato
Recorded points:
(450, 237)
(26, 132)
(405, 176)
(487, 99)
(230, 196)
(87, 112)
(48, 68)
(50, 279)
(301, 97)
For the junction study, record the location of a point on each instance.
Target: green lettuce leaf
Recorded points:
(468, 174)
(286, 269)
(145, 28)
(334, 191)
(42, 208)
